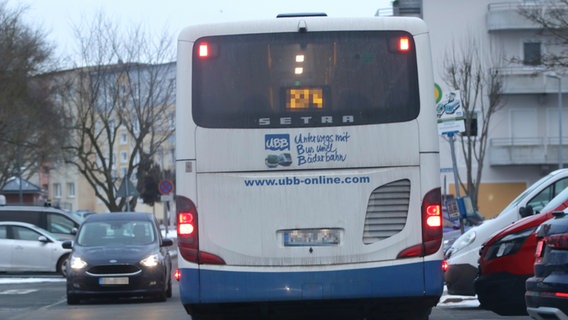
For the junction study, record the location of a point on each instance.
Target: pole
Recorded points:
(127, 181)
(19, 160)
(560, 159)
(452, 137)
(560, 156)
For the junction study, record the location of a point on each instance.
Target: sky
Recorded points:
(57, 17)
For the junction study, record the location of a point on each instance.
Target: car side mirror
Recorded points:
(167, 242)
(43, 239)
(526, 211)
(74, 231)
(67, 244)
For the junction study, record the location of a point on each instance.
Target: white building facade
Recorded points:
(524, 135)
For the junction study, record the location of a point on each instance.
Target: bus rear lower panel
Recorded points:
(408, 308)
(359, 292)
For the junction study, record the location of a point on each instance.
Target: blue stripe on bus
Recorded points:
(405, 280)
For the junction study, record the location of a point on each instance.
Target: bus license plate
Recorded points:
(312, 237)
(113, 281)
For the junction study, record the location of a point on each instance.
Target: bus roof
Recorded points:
(413, 25)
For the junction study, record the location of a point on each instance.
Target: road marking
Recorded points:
(17, 291)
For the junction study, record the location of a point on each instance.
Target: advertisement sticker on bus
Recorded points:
(309, 148)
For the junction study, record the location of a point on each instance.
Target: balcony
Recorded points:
(505, 16)
(529, 80)
(526, 151)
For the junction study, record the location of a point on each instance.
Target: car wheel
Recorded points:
(169, 289)
(62, 265)
(72, 299)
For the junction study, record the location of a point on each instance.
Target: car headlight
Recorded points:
(463, 241)
(77, 263)
(150, 261)
(509, 244)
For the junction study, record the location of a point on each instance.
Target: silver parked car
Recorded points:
(25, 247)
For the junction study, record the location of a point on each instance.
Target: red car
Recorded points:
(507, 261)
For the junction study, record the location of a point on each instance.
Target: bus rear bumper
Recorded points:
(201, 287)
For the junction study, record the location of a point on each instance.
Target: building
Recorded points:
(524, 138)
(21, 191)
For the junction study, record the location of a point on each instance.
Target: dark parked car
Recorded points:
(119, 254)
(547, 291)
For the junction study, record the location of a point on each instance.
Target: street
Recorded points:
(43, 297)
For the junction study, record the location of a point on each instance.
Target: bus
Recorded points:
(307, 169)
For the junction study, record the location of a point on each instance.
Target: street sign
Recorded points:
(165, 187)
(127, 189)
(450, 114)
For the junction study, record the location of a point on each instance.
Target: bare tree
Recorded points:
(552, 17)
(125, 96)
(30, 124)
(466, 68)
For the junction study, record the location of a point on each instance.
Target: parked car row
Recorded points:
(26, 247)
(507, 278)
(31, 238)
(507, 261)
(119, 254)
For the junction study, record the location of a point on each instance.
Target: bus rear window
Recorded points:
(309, 79)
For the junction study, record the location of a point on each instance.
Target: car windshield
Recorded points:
(111, 233)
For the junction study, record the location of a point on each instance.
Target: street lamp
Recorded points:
(559, 78)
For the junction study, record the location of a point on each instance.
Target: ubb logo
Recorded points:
(277, 142)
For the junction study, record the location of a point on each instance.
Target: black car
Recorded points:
(547, 292)
(119, 254)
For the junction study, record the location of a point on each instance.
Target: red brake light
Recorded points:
(434, 218)
(185, 224)
(445, 266)
(203, 51)
(432, 232)
(403, 44)
(558, 241)
(177, 275)
(188, 234)
(539, 248)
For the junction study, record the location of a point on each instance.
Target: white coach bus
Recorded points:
(307, 169)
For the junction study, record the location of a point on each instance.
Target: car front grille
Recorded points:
(114, 269)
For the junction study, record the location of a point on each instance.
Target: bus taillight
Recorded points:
(433, 216)
(432, 232)
(185, 224)
(188, 234)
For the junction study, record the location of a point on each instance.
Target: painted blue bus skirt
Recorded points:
(407, 280)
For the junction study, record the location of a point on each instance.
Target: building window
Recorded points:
(71, 189)
(532, 53)
(172, 120)
(123, 156)
(57, 190)
(123, 138)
